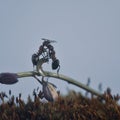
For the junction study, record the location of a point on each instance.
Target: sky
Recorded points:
(87, 34)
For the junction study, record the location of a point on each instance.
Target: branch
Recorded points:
(61, 77)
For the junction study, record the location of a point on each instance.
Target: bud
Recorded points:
(50, 92)
(8, 78)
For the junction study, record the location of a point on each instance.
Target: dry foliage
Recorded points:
(73, 106)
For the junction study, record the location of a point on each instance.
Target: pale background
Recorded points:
(87, 34)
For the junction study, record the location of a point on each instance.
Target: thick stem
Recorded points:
(61, 77)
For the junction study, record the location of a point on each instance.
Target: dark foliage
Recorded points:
(73, 106)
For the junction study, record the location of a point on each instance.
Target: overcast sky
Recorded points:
(87, 34)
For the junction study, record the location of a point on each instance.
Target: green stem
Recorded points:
(61, 77)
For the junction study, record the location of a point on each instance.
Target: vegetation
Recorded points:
(73, 106)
